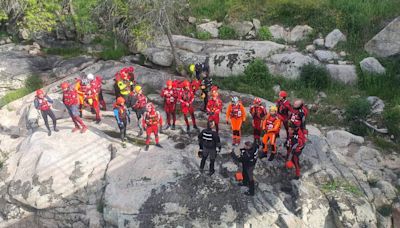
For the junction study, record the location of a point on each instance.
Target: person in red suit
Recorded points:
(151, 120)
(258, 112)
(295, 146)
(214, 107)
(298, 115)
(186, 99)
(284, 109)
(70, 100)
(170, 96)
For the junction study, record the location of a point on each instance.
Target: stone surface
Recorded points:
(320, 42)
(257, 24)
(310, 48)
(242, 28)
(279, 33)
(377, 104)
(344, 73)
(289, 64)
(192, 20)
(333, 38)
(211, 27)
(341, 138)
(387, 42)
(326, 56)
(372, 66)
(162, 58)
(300, 32)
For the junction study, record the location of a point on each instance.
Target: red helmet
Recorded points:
(257, 101)
(214, 88)
(64, 85)
(289, 164)
(120, 100)
(283, 93)
(186, 83)
(39, 92)
(130, 69)
(169, 83)
(150, 106)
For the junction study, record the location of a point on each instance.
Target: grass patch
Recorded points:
(385, 210)
(384, 144)
(31, 84)
(227, 33)
(343, 186)
(264, 33)
(65, 52)
(203, 35)
(100, 206)
(112, 50)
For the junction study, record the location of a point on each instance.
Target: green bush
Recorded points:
(227, 33)
(203, 35)
(257, 71)
(391, 117)
(31, 84)
(110, 52)
(358, 109)
(264, 33)
(65, 52)
(316, 77)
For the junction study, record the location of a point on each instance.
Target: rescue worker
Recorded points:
(139, 101)
(70, 100)
(258, 112)
(248, 158)
(121, 114)
(124, 83)
(236, 115)
(99, 83)
(195, 84)
(210, 145)
(81, 86)
(295, 146)
(186, 99)
(206, 85)
(91, 96)
(284, 109)
(199, 69)
(170, 98)
(43, 103)
(151, 120)
(299, 114)
(214, 107)
(271, 125)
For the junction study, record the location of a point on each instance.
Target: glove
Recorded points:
(121, 125)
(200, 153)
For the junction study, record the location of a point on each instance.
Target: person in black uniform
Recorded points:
(210, 145)
(248, 158)
(206, 85)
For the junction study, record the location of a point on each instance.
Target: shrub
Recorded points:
(203, 35)
(257, 71)
(316, 77)
(65, 52)
(227, 33)
(391, 117)
(31, 84)
(358, 109)
(264, 33)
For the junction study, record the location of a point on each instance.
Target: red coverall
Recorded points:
(214, 107)
(258, 113)
(295, 145)
(186, 99)
(151, 121)
(284, 108)
(70, 99)
(170, 98)
(298, 118)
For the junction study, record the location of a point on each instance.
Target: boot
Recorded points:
(140, 133)
(159, 145)
(49, 133)
(146, 148)
(167, 127)
(80, 113)
(75, 129)
(173, 127)
(195, 127)
(212, 171)
(123, 144)
(251, 189)
(188, 129)
(98, 121)
(84, 129)
(55, 129)
(271, 157)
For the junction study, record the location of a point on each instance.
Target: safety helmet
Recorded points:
(130, 69)
(169, 83)
(138, 88)
(282, 93)
(90, 76)
(235, 100)
(257, 101)
(214, 88)
(289, 164)
(186, 83)
(297, 103)
(64, 85)
(39, 92)
(192, 68)
(273, 108)
(120, 100)
(149, 106)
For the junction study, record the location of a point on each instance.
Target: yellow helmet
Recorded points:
(138, 88)
(192, 68)
(273, 108)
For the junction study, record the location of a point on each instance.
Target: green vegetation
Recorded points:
(203, 35)
(264, 33)
(100, 206)
(316, 77)
(385, 210)
(112, 50)
(338, 185)
(65, 52)
(391, 117)
(385, 144)
(227, 33)
(357, 110)
(31, 84)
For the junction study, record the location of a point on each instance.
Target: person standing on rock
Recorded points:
(92, 96)
(206, 85)
(298, 115)
(124, 83)
(70, 100)
(151, 120)
(43, 103)
(284, 109)
(271, 125)
(99, 84)
(214, 107)
(81, 86)
(170, 98)
(248, 158)
(139, 101)
(121, 114)
(186, 99)
(236, 115)
(258, 112)
(210, 145)
(295, 145)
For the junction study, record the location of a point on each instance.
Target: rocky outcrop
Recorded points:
(326, 56)
(289, 64)
(387, 42)
(333, 38)
(242, 28)
(300, 32)
(371, 65)
(343, 73)
(377, 104)
(210, 27)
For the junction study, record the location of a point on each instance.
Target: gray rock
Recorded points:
(192, 20)
(384, 221)
(372, 65)
(326, 56)
(377, 104)
(310, 48)
(162, 58)
(300, 32)
(344, 73)
(211, 27)
(396, 214)
(387, 42)
(278, 32)
(23, 34)
(387, 189)
(341, 139)
(289, 64)
(320, 42)
(242, 28)
(257, 24)
(2, 42)
(342, 54)
(333, 38)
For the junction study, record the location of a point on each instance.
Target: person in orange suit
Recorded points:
(236, 115)
(271, 125)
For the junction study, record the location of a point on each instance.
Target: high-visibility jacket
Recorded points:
(271, 124)
(236, 111)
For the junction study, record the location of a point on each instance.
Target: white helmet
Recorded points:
(235, 100)
(90, 76)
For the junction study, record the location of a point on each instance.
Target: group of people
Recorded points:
(269, 122)
(86, 91)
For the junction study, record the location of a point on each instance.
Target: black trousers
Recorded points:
(122, 130)
(248, 178)
(206, 153)
(45, 115)
(205, 99)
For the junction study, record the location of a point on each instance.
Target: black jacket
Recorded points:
(247, 157)
(207, 82)
(209, 139)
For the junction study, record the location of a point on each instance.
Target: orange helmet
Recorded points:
(64, 85)
(289, 164)
(39, 92)
(283, 93)
(257, 101)
(169, 83)
(186, 83)
(120, 100)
